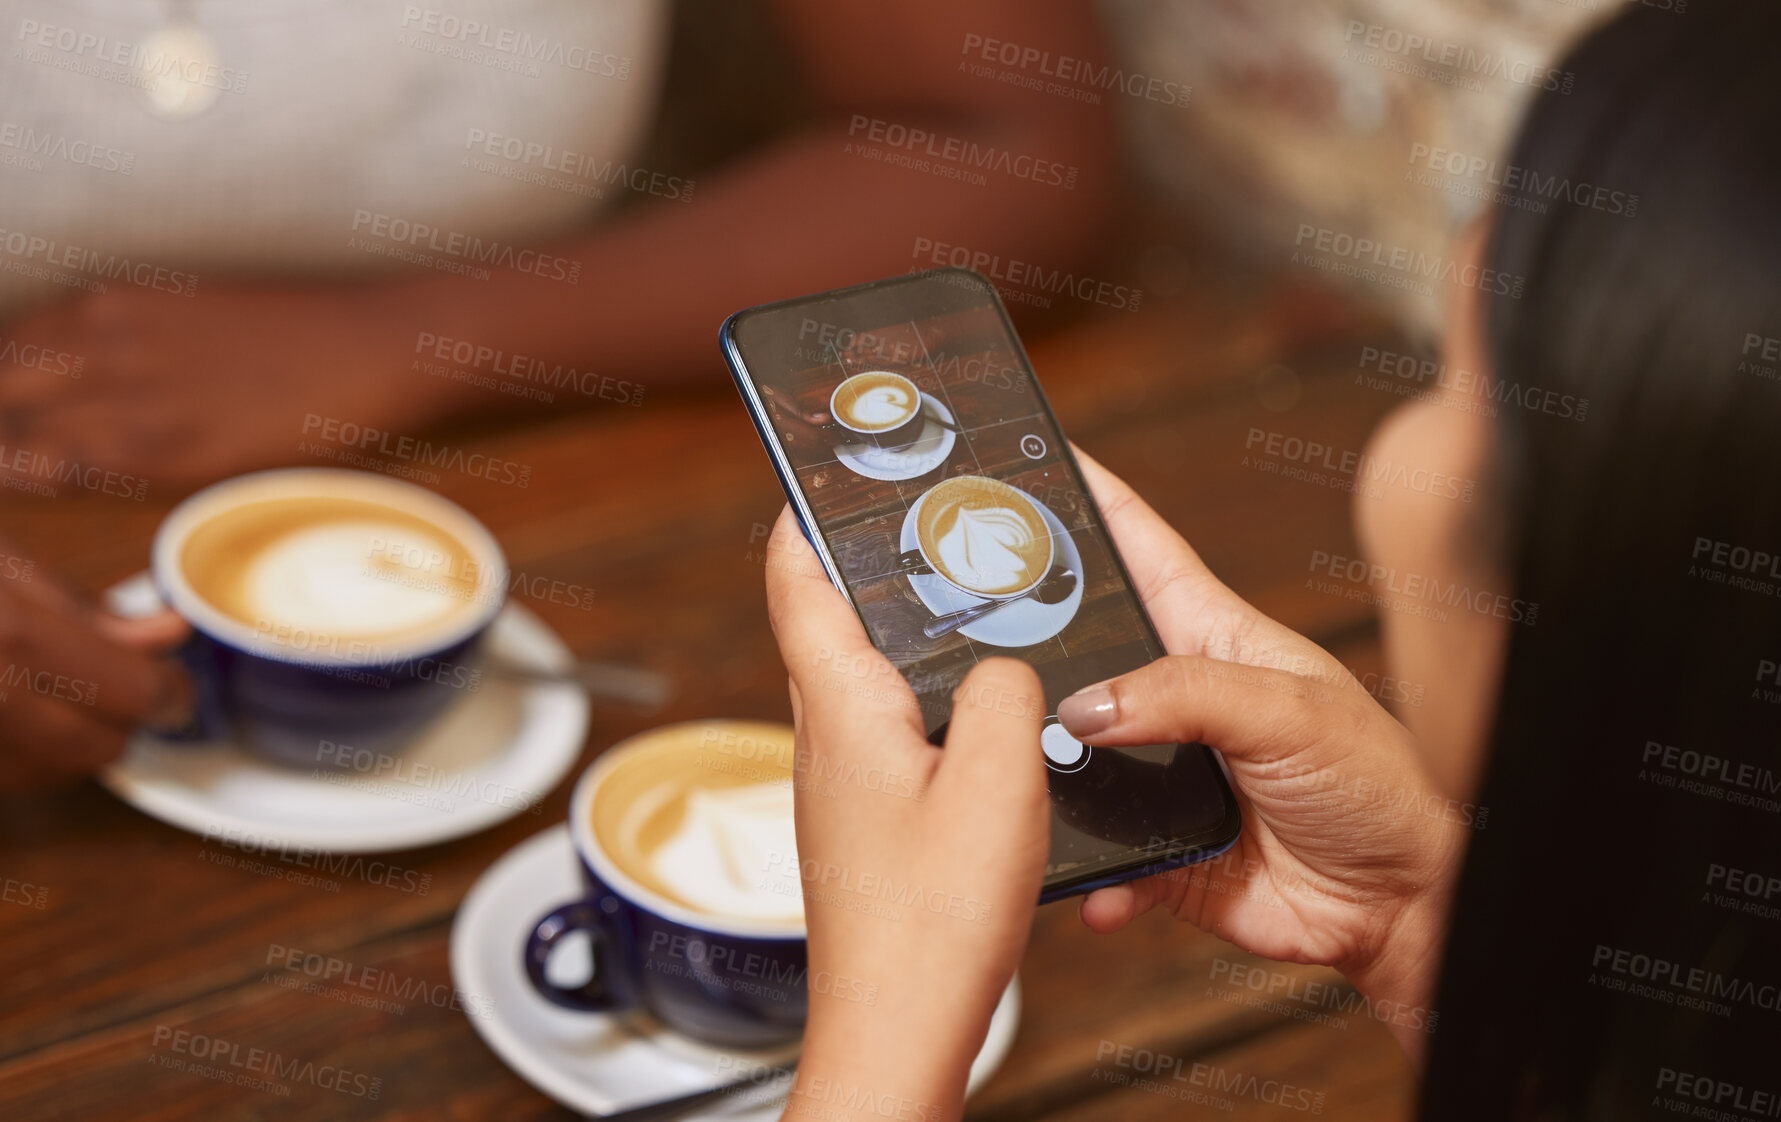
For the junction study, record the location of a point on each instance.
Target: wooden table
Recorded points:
(662, 510)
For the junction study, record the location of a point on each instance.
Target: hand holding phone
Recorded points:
(1353, 854)
(938, 492)
(925, 941)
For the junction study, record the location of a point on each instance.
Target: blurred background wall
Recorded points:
(1320, 112)
(1309, 111)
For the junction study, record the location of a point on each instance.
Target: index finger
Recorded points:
(1254, 714)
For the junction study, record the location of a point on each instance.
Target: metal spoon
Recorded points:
(612, 681)
(1054, 589)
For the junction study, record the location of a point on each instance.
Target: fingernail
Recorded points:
(1088, 711)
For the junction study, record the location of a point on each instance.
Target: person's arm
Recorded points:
(812, 211)
(186, 390)
(902, 989)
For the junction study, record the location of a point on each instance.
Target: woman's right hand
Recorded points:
(74, 680)
(1348, 853)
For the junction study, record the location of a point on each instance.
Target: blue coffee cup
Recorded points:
(304, 694)
(730, 980)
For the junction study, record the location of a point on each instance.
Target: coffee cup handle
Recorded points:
(202, 660)
(203, 663)
(593, 995)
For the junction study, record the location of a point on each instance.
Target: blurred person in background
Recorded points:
(365, 130)
(208, 214)
(1533, 887)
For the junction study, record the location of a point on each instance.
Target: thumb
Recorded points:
(1106, 910)
(992, 743)
(1248, 713)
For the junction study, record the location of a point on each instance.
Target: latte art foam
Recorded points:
(729, 854)
(988, 549)
(322, 577)
(880, 407)
(983, 535)
(875, 401)
(327, 571)
(701, 815)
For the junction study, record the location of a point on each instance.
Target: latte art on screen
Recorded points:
(983, 535)
(876, 401)
(881, 406)
(988, 549)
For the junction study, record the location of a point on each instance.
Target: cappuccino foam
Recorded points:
(710, 829)
(723, 845)
(331, 567)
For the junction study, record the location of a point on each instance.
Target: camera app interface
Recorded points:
(947, 499)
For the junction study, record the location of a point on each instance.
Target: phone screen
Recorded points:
(952, 513)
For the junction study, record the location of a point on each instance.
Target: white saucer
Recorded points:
(592, 1062)
(928, 451)
(1020, 624)
(496, 753)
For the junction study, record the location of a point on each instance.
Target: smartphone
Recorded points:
(929, 473)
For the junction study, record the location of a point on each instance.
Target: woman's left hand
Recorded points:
(921, 866)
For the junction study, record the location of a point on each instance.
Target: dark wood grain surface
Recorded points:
(662, 510)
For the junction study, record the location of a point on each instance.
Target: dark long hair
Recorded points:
(1634, 780)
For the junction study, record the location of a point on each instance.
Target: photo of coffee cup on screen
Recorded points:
(996, 548)
(881, 406)
(983, 536)
(875, 422)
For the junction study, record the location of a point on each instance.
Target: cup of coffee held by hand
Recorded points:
(983, 537)
(879, 408)
(329, 608)
(693, 902)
